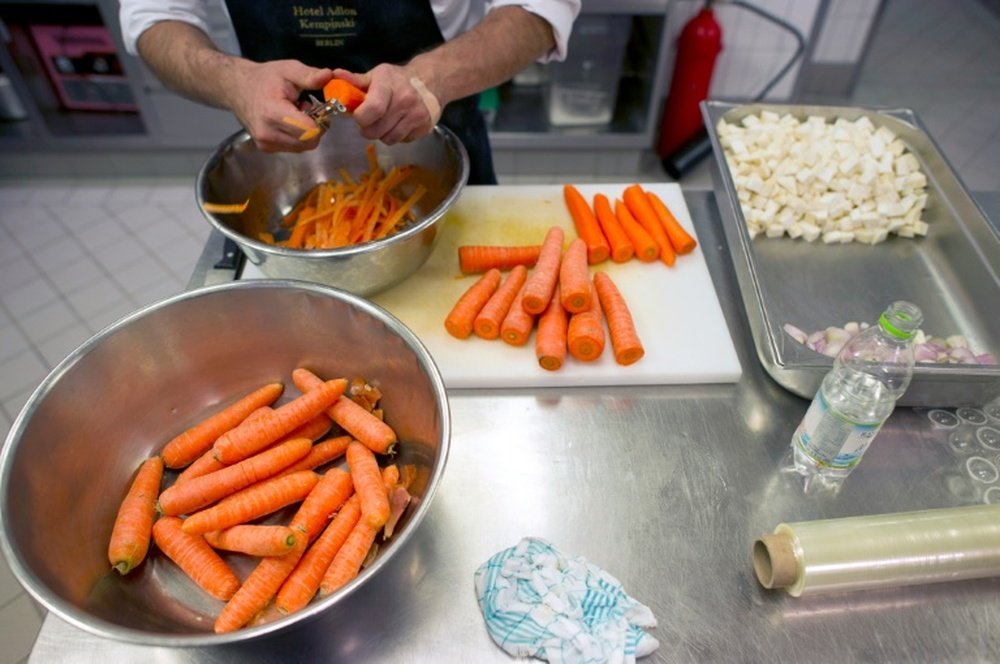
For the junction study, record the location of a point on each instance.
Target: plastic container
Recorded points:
(856, 397)
(583, 88)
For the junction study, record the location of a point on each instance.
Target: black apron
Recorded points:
(357, 35)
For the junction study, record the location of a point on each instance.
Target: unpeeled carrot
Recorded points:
(646, 249)
(253, 540)
(518, 323)
(347, 563)
(322, 452)
(543, 279)
(460, 321)
(681, 241)
(251, 437)
(192, 443)
(352, 418)
(621, 328)
(574, 281)
(585, 332)
(475, 259)
(587, 227)
(304, 581)
(130, 535)
(196, 558)
(638, 204)
(207, 463)
(489, 319)
(621, 246)
(368, 483)
(329, 494)
(550, 340)
(186, 497)
(252, 502)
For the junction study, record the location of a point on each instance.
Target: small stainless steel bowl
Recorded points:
(273, 182)
(114, 401)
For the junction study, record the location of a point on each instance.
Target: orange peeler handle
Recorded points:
(347, 94)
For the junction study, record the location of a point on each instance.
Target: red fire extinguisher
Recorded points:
(697, 48)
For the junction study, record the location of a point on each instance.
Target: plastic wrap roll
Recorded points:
(880, 551)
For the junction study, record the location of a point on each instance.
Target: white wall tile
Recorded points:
(49, 320)
(22, 372)
(29, 297)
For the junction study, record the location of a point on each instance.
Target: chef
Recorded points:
(420, 61)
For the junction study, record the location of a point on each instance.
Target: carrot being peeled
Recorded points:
(133, 526)
(638, 204)
(345, 92)
(621, 246)
(550, 338)
(255, 501)
(587, 227)
(543, 279)
(681, 241)
(253, 540)
(574, 280)
(460, 321)
(585, 332)
(196, 558)
(352, 418)
(621, 328)
(646, 249)
(518, 323)
(475, 259)
(489, 319)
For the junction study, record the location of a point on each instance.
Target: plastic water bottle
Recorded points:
(856, 397)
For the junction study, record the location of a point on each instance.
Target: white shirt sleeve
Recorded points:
(138, 15)
(559, 13)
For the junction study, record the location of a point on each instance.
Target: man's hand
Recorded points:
(398, 107)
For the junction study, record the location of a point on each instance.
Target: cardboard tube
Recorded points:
(879, 551)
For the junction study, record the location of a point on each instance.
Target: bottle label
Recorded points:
(831, 439)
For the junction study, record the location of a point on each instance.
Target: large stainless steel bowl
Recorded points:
(115, 400)
(274, 182)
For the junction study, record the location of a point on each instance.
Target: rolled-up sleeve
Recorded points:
(136, 16)
(560, 14)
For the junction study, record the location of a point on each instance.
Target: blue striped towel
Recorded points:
(537, 602)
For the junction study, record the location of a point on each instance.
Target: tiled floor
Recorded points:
(76, 255)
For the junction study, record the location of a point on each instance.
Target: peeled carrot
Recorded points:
(574, 281)
(368, 483)
(322, 452)
(347, 563)
(346, 93)
(251, 437)
(621, 328)
(550, 341)
(518, 323)
(187, 497)
(192, 443)
(489, 319)
(681, 241)
(130, 535)
(475, 259)
(252, 502)
(542, 281)
(621, 246)
(587, 227)
(304, 581)
(646, 249)
(638, 204)
(461, 319)
(585, 332)
(196, 558)
(253, 540)
(352, 418)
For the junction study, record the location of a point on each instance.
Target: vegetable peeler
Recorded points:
(340, 97)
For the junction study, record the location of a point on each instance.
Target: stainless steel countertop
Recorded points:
(664, 487)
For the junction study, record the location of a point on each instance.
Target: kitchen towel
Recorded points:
(539, 602)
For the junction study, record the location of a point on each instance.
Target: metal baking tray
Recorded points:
(951, 274)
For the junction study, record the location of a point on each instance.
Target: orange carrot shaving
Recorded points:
(574, 281)
(646, 249)
(255, 501)
(475, 259)
(681, 241)
(225, 208)
(587, 227)
(251, 437)
(638, 204)
(130, 535)
(621, 328)
(194, 494)
(550, 341)
(542, 280)
(518, 323)
(621, 246)
(192, 443)
(461, 319)
(585, 333)
(368, 483)
(309, 130)
(253, 540)
(196, 558)
(489, 319)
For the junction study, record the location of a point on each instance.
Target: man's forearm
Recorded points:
(186, 60)
(506, 41)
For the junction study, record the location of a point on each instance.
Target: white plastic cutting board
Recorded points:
(676, 311)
